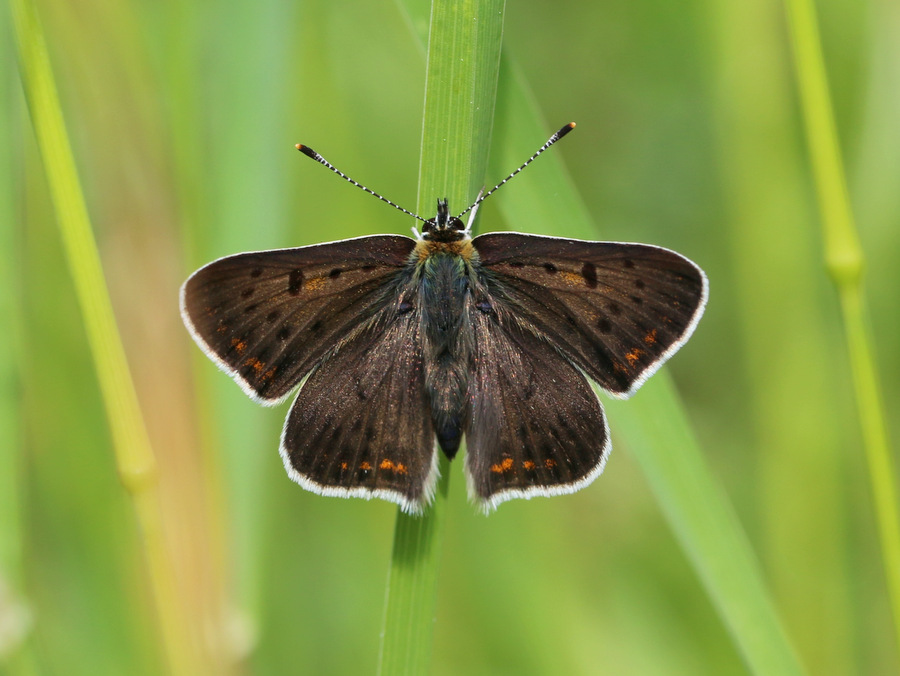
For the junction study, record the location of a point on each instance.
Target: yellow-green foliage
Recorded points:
(733, 526)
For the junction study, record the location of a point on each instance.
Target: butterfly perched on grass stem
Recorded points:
(405, 347)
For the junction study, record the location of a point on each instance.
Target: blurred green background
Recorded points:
(183, 117)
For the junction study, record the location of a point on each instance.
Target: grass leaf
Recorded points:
(653, 424)
(134, 457)
(461, 87)
(844, 261)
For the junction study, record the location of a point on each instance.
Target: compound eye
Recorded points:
(457, 224)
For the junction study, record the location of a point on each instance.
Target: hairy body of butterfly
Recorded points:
(408, 346)
(444, 281)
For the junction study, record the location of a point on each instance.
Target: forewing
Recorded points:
(535, 426)
(361, 423)
(267, 317)
(618, 311)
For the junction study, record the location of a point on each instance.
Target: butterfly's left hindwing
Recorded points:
(615, 310)
(268, 317)
(361, 423)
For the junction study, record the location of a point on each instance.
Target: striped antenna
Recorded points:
(553, 139)
(309, 152)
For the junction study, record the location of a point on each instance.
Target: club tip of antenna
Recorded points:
(565, 130)
(306, 150)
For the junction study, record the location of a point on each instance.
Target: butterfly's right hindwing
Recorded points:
(268, 317)
(535, 426)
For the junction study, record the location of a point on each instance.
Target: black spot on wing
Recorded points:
(589, 272)
(295, 282)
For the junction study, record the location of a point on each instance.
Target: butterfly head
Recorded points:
(444, 227)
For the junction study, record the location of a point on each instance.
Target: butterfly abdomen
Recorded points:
(447, 345)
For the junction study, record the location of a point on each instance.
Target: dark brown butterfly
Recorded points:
(405, 346)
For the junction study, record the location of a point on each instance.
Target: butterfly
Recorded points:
(403, 347)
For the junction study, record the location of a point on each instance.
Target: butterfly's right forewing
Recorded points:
(616, 310)
(268, 317)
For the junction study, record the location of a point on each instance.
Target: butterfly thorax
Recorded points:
(461, 248)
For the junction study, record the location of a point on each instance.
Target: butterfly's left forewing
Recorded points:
(268, 317)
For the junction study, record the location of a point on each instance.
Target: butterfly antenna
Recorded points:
(553, 139)
(309, 152)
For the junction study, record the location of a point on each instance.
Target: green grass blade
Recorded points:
(659, 435)
(410, 595)
(763, 181)
(15, 612)
(461, 86)
(463, 63)
(134, 457)
(844, 261)
(654, 423)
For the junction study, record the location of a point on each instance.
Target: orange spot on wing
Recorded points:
(549, 463)
(365, 466)
(504, 466)
(650, 338)
(239, 345)
(256, 364)
(528, 464)
(397, 467)
(343, 465)
(314, 284)
(634, 355)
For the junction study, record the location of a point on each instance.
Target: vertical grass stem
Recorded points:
(134, 457)
(463, 62)
(844, 261)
